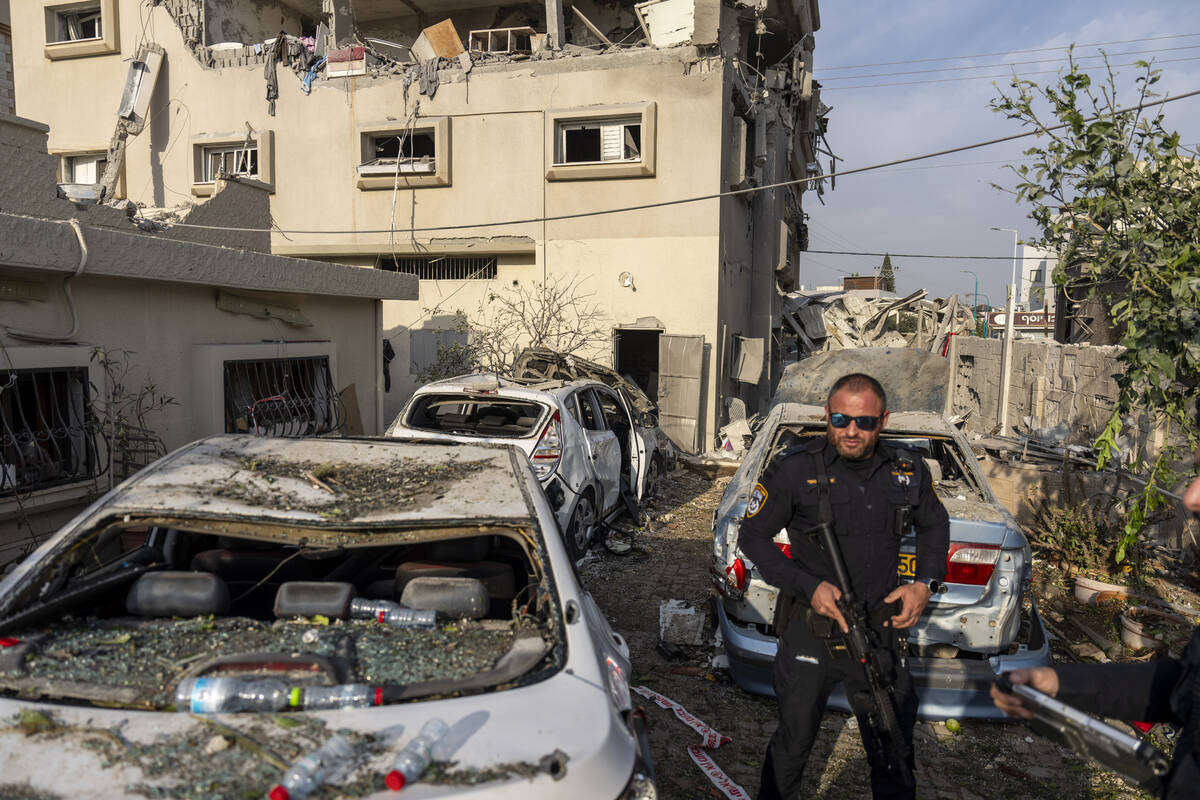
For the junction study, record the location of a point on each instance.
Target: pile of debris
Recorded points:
(844, 319)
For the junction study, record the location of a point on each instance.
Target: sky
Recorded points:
(947, 205)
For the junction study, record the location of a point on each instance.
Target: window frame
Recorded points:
(64, 155)
(107, 43)
(559, 121)
(53, 357)
(203, 144)
(438, 127)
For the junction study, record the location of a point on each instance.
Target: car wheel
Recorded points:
(582, 526)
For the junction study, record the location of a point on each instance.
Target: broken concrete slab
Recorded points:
(679, 623)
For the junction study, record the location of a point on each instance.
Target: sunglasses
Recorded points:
(863, 423)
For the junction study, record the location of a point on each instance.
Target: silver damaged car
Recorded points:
(982, 622)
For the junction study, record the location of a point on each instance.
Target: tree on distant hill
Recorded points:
(887, 276)
(1116, 197)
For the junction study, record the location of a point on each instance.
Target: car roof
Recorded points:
(914, 380)
(340, 483)
(502, 386)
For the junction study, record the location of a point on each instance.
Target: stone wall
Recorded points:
(1065, 387)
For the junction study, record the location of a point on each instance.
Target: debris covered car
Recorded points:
(282, 590)
(983, 620)
(590, 447)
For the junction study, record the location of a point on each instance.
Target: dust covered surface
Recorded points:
(357, 489)
(212, 760)
(151, 656)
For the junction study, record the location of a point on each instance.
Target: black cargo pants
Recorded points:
(806, 671)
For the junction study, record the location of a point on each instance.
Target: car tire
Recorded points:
(582, 526)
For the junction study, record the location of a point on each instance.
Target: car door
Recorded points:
(621, 421)
(603, 449)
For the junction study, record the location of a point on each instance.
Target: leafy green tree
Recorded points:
(887, 275)
(1117, 197)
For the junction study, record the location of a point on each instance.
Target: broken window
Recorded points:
(399, 151)
(218, 161)
(599, 141)
(496, 417)
(84, 168)
(78, 23)
(46, 430)
(282, 397)
(442, 268)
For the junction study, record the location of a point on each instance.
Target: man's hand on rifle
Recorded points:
(1044, 679)
(824, 602)
(913, 597)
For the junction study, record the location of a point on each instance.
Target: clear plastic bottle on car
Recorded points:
(392, 613)
(220, 695)
(309, 772)
(347, 695)
(412, 761)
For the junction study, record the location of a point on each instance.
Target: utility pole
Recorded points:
(1006, 356)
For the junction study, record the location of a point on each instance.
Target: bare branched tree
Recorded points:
(556, 313)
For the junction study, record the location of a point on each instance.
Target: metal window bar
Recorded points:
(282, 397)
(442, 268)
(48, 436)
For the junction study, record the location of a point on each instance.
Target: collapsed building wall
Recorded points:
(239, 21)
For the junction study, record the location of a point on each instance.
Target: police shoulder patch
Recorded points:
(757, 498)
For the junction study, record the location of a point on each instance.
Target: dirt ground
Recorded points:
(670, 561)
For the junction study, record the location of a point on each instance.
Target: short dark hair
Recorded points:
(858, 382)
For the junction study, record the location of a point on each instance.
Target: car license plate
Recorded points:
(907, 568)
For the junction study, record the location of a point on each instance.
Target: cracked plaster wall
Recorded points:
(249, 21)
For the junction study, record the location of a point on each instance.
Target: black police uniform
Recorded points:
(872, 502)
(1165, 690)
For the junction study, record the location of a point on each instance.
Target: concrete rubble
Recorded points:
(679, 623)
(842, 320)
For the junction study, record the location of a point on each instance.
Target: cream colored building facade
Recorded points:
(494, 184)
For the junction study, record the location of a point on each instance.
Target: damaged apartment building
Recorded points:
(471, 144)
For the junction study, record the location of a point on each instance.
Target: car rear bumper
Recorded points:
(945, 687)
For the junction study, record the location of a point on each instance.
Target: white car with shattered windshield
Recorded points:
(303, 587)
(587, 442)
(981, 622)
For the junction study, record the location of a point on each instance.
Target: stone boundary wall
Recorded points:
(1064, 386)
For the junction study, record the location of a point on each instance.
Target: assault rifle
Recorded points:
(862, 642)
(1136, 759)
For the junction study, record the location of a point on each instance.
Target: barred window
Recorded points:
(442, 268)
(282, 397)
(47, 437)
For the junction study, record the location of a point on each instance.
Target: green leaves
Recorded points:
(1119, 201)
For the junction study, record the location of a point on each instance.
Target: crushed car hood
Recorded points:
(535, 363)
(914, 380)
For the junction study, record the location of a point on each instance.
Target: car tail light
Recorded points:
(549, 448)
(971, 563)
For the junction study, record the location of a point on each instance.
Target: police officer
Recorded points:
(873, 493)
(1163, 690)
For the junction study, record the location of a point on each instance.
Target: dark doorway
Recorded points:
(635, 356)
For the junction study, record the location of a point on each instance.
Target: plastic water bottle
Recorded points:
(217, 695)
(304, 776)
(412, 761)
(349, 695)
(392, 613)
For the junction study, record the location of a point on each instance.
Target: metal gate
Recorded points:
(680, 391)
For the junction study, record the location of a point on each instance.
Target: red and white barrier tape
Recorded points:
(712, 740)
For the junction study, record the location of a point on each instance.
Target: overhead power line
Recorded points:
(823, 77)
(685, 200)
(1013, 52)
(931, 255)
(993, 77)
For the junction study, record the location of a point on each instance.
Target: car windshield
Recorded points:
(490, 416)
(130, 611)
